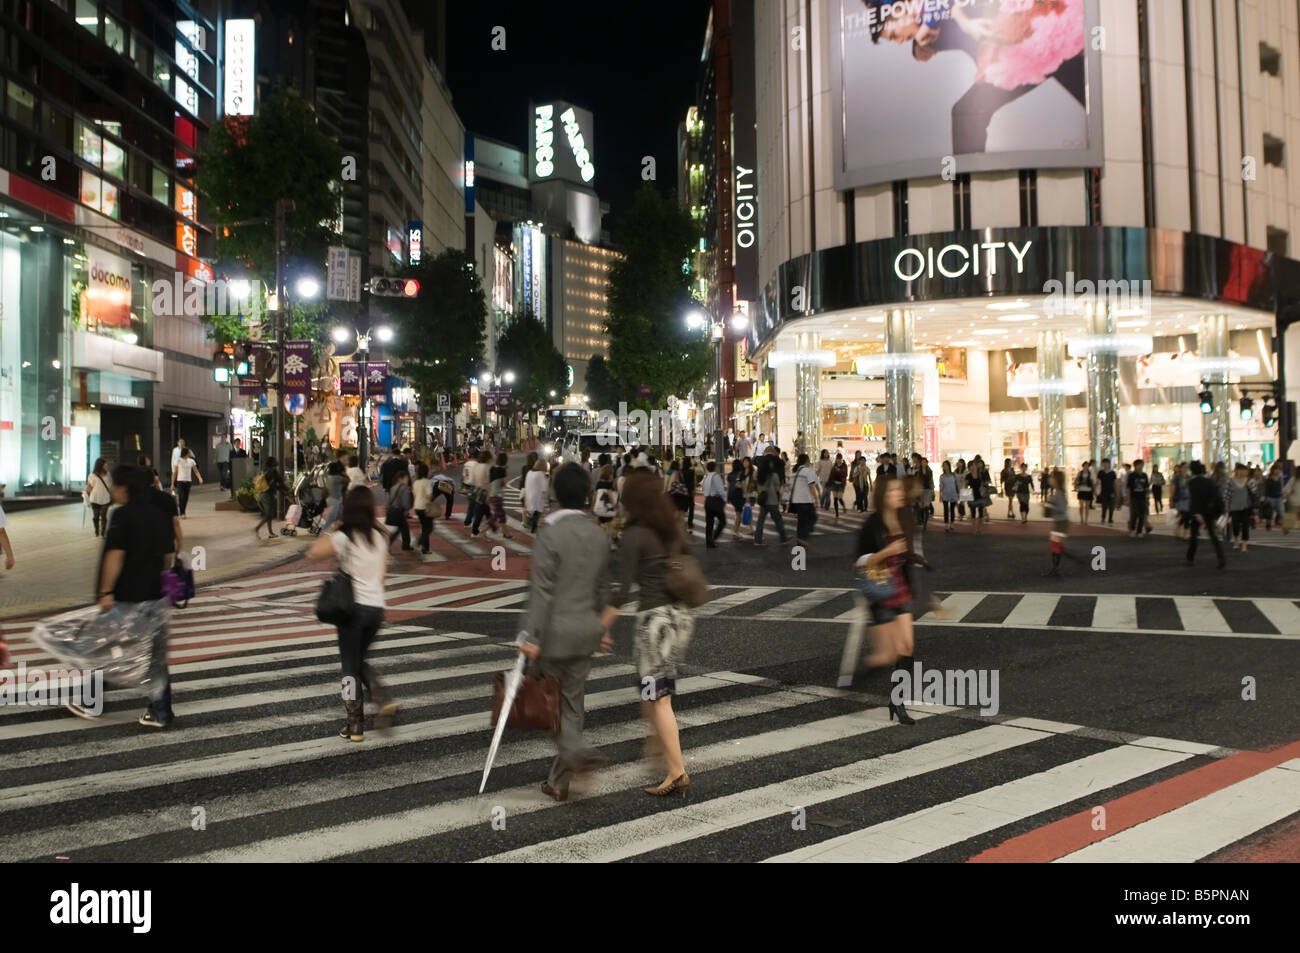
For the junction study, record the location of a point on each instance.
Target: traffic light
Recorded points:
(394, 287)
(1268, 413)
(1207, 401)
(1247, 408)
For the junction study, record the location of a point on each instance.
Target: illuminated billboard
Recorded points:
(944, 87)
(241, 67)
(560, 142)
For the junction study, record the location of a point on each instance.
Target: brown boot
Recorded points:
(381, 696)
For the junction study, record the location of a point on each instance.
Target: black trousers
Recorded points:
(224, 470)
(950, 511)
(182, 496)
(1107, 501)
(451, 498)
(354, 641)
(775, 512)
(1208, 526)
(426, 527)
(715, 511)
(1137, 513)
(1241, 524)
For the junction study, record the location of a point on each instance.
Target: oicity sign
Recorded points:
(954, 261)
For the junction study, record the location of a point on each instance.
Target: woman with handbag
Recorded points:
(98, 497)
(964, 494)
(981, 494)
(837, 480)
(664, 624)
(269, 485)
(361, 547)
(400, 502)
(422, 492)
(736, 493)
(536, 489)
(884, 551)
(564, 624)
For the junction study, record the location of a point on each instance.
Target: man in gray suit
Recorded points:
(563, 624)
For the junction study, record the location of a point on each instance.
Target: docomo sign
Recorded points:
(241, 44)
(928, 261)
(544, 150)
(108, 292)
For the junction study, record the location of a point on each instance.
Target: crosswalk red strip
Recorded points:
(1074, 833)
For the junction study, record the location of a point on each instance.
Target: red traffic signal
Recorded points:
(394, 287)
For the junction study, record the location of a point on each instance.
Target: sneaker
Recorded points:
(148, 720)
(80, 712)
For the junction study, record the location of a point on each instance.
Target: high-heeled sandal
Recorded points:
(680, 783)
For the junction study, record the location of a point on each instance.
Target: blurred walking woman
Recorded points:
(884, 540)
(361, 546)
(663, 626)
(98, 497)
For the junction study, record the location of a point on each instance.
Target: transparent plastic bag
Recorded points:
(119, 642)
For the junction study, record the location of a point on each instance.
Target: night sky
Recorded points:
(634, 65)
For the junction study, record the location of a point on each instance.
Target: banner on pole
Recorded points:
(377, 378)
(350, 377)
(297, 367)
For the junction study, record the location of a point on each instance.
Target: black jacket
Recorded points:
(871, 538)
(1204, 497)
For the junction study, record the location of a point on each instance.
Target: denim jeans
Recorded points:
(774, 511)
(160, 685)
(354, 640)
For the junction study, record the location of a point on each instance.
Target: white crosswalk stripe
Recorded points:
(254, 741)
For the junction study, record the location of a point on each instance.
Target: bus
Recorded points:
(563, 418)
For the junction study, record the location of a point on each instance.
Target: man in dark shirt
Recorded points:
(1106, 478)
(137, 548)
(1136, 486)
(391, 466)
(1205, 505)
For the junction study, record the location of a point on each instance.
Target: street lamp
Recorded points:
(307, 288)
(384, 334)
(701, 317)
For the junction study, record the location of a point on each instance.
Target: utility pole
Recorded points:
(282, 207)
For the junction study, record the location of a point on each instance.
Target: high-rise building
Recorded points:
(1044, 251)
(104, 106)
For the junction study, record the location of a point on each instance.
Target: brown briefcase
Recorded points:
(536, 705)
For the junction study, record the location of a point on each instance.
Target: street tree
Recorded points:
(525, 349)
(246, 164)
(603, 391)
(438, 336)
(652, 353)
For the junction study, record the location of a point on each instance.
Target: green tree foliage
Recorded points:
(526, 349)
(246, 164)
(438, 337)
(603, 391)
(649, 298)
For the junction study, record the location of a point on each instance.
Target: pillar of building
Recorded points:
(1216, 426)
(808, 393)
(1051, 398)
(900, 406)
(1103, 386)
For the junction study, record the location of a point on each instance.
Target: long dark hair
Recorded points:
(359, 513)
(881, 490)
(644, 500)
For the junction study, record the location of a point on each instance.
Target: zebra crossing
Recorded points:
(781, 772)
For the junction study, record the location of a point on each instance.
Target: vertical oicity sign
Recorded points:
(240, 75)
(744, 144)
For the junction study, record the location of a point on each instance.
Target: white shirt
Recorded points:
(365, 562)
(176, 455)
(802, 492)
(713, 486)
(99, 489)
(184, 469)
(760, 448)
(422, 491)
(536, 488)
(356, 477)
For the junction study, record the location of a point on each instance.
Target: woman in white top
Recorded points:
(184, 472)
(537, 487)
(97, 495)
(356, 476)
(361, 547)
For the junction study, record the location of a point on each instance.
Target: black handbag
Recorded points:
(336, 603)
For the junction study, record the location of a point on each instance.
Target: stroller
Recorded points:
(309, 512)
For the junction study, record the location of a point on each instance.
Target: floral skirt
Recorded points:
(662, 635)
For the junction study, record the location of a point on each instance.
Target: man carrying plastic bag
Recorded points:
(128, 640)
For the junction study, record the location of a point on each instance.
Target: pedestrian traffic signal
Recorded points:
(1207, 402)
(1247, 408)
(394, 287)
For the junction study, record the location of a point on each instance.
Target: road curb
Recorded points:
(41, 611)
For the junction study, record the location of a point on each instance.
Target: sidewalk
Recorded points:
(56, 556)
